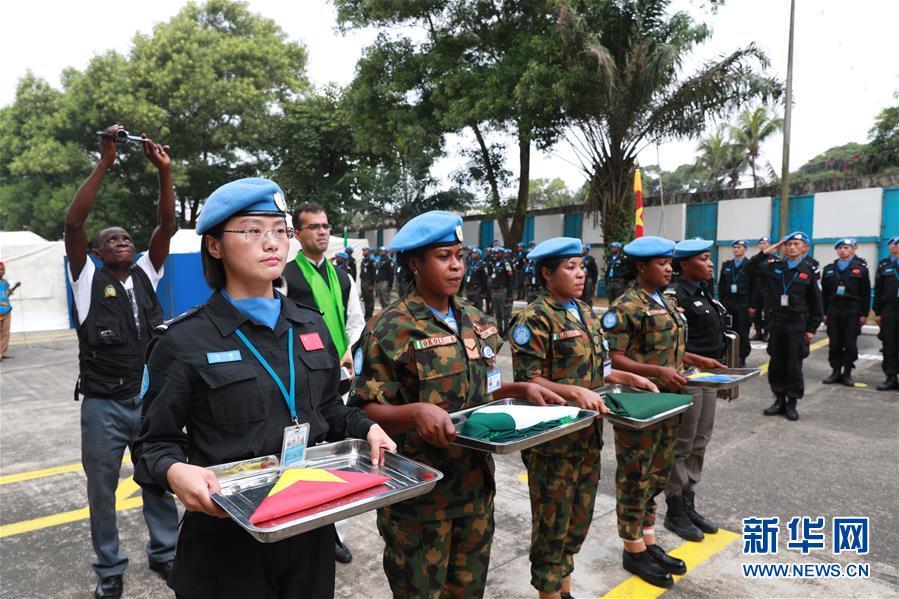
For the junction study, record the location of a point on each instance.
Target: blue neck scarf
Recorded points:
(571, 306)
(261, 310)
(738, 262)
(843, 264)
(791, 264)
(449, 318)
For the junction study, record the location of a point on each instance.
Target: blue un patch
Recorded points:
(609, 320)
(357, 361)
(521, 334)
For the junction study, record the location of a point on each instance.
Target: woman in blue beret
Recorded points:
(557, 342)
(428, 354)
(225, 382)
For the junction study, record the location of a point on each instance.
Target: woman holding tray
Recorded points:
(647, 335)
(426, 355)
(229, 381)
(558, 343)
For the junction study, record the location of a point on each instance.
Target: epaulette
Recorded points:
(307, 307)
(862, 260)
(672, 290)
(183, 316)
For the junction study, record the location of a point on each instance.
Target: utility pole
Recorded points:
(788, 109)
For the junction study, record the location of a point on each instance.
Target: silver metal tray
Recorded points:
(636, 423)
(583, 420)
(741, 375)
(245, 484)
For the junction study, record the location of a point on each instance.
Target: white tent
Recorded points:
(40, 303)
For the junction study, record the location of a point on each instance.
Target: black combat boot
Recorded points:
(835, 377)
(790, 411)
(642, 565)
(677, 521)
(701, 522)
(776, 408)
(890, 384)
(846, 379)
(668, 563)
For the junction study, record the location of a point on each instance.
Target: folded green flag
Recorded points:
(502, 424)
(645, 405)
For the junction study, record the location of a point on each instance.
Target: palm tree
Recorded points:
(754, 126)
(720, 159)
(626, 60)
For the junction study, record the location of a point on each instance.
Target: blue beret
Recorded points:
(691, 247)
(343, 255)
(894, 241)
(615, 244)
(382, 249)
(586, 246)
(743, 242)
(349, 249)
(846, 241)
(496, 242)
(253, 195)
(476, 251)
(433, 228)
(764, 238)
(557, 247)
(519, 244)
(797, 235)
(649, 247)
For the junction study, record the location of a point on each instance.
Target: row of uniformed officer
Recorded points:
(886, 314)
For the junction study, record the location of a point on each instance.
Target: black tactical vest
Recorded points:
(298, 288)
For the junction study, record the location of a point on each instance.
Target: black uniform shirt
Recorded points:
(501, 274)
(799, 284)
(855, 284)
(731, 274)
(705, 319)
(886, 284)
(367, 270)
(208, 401)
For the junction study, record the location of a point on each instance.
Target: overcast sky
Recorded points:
(845, 65)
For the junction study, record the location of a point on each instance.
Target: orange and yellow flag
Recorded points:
(638, 191)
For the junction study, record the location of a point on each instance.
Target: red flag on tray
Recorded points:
(299, 489)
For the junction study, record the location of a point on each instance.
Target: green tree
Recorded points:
(753, 127)
(550, 193)
(490, 66)
(627, 58)
(720, 160)
(883, 151)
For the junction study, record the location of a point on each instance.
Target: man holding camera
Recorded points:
(117, 311)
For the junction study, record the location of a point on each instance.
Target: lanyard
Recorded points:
(787, 286)
(289, 398)
(738, 272)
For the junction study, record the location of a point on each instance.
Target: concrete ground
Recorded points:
(839, 459)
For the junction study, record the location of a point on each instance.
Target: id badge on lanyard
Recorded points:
(733, 287)
(841, 290)
(785, 300)
(293, 446)
(494, 379)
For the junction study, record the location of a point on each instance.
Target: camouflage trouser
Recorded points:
(644, 459)
(563, 491)
(436, 559)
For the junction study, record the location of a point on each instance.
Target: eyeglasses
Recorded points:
(255, 233)
(318, 227)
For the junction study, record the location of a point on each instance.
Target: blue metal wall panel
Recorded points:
(572, 225)
(702, 221)
(801, 217)
(889, 226)
(528, 235)
(485, 234)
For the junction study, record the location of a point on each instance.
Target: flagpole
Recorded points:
(788, 110)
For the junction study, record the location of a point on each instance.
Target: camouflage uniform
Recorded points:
(437, 544)
(650, 334)
(562, 474)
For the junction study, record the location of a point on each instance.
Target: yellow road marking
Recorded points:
(523, 477)
(52, 471)
(124, 501)
(861, 384)
(693, 554)
(814, 346)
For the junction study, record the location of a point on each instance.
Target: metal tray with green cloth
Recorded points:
(497, 431)
(719, 378)
(637, 409)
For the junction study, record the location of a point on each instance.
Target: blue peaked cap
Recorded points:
(557, 247)
(433, 228)
(253, 195)
(691, 247)
(650, 246)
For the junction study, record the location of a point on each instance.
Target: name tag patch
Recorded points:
(222, 357)
(434, 342)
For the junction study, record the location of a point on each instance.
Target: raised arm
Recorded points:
(165, 219)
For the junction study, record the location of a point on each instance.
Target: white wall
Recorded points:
(389, 234)
(470, 230)
(673, 224)
(825, 254)
(848, 213)
(547, 226)
(497, 235)
(748, 218)
(372, 238)
(592, 234)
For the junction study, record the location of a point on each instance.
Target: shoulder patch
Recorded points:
(609, 320)
(521, 334)
(358, 359)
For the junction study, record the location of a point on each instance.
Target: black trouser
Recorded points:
(614, 289)
(368, 298)
(589, 289)
(738, 307)
(216, 558)
(474, 295)
(758, 321)
(843, 331)
(889, 333)
(787, 348)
